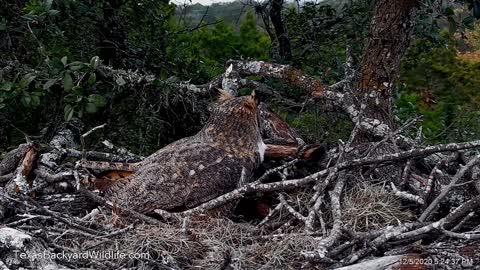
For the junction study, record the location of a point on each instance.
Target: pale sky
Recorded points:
(203, 2)
(208, 2)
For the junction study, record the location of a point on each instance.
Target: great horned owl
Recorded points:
(197, 169)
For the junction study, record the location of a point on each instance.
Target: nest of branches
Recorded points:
(328, 218)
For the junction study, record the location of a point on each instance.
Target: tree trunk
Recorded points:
(284, 48)
(391, 30)
(113, 37)
(4, 141)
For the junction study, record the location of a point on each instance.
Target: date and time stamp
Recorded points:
(465, 262)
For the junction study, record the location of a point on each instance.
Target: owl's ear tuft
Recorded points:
(223, 95)
(251, 102)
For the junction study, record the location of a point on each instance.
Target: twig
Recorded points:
(99, 200)
(466, 236)
(389, 234)
(392, 135)
(459, 225)
(446, 221)
(336, 232)
(407, 196)
(53, 214)
(101, 156)
(270, 215)
(427, 214)
(82, 138)
(26, 219)
(118, 232)
(406, 173)
(275, 170)
(6, 177)
(290, 209)
(93, 130)
(319, 187)
(91, 215)
(436, 171)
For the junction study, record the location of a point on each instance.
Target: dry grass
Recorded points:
(370, 206)
(210, 244)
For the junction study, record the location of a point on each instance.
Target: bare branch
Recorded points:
(290, 209)
(466, 236)
(407, 196)
(446, 221)
(336, 232)
(427, 214)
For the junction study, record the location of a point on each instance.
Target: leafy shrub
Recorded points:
(442, 87)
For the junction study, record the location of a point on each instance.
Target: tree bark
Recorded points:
(391, 30)
(3, 132)
(284, 48)
(113, 36)
(22, 251)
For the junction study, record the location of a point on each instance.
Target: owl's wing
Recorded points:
(169, 149)
(184, 177)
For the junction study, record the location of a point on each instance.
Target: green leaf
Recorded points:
(53, 12)
(469, 22)
(98, 100)
(70, 98)
(444, 5)
(35, 100)
(2, 105)
(67, 82)
(452, 25)
(76, 65)
(48, 4)
(64, 60)
(6, 86)
(26, 100)
(92, 78)
(476, 9)
(68, 112)
(77, 89)
(91, 108)
(26, 80)
(449, 11)
(49, 84)
(55, 66)
(94, 62)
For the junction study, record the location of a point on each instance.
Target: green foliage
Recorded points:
(252, 42)
(48, 72)
(437, 84)
(113, 30)
(320, 34)
(75, 82)
(212, 46)
(319, 127)
(230, 12)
